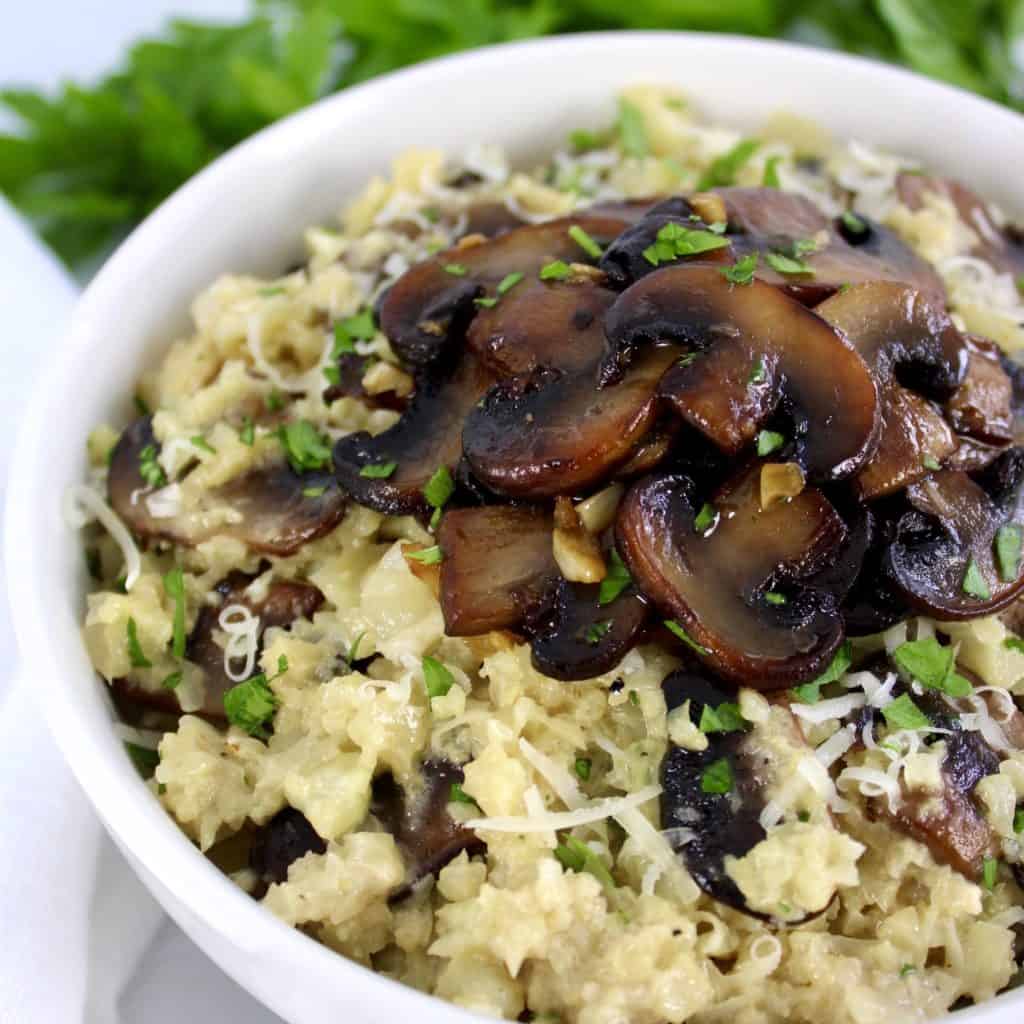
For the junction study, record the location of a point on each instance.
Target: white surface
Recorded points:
(296, 173)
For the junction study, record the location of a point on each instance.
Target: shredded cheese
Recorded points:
(83, 505)
(826, 710)
(165, 503)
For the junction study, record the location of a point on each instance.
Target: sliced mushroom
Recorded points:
(542, 324)
(982, 407)
(286, 838)
(497, 567)
(874, 603)
(490, 220)
(767, 219)
(430, 306)
(424, 831)
(579, 638)
(351, 371)
(428, 436)
(271, 508)
(909, 342)
(943, 556)
(824, 385)
(999, 244)
(557, 433)
(714, 584)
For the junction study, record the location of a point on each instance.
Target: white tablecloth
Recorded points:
(84, 942)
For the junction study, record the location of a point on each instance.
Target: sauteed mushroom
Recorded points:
(286, 838)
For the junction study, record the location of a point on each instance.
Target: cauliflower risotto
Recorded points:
(590, 592)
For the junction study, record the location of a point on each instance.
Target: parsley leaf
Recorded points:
(903, 713)
(145, 759)
(854, 224)
(706, 518)
(347, 332)
(174, 587)
(203, 445)
(583, 765)
(615, 582)
(585, 242)
(1014, 643)
(1018, 820)
(810, 693)
(455, 269)
(251, 705)
(990, 872)
(149, 468)
(556, 270)
(436, 677)
(597, 631)
(717, 777)
(1008, 549)
(770, 178)
(725, 718)
(975, 584)
(135, 652)
(305, 447)
(378, 471)
(723, 169)
(673, 240)
(759, 374)
(932, 664)
(677, 631)
(742, 271)
(787, 264)
(439, 488)
(575, 855)
(632, 130)
(509, 281)
(769, 441)
(457, 795)
(428, 556)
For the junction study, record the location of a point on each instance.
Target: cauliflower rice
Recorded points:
(578, 908)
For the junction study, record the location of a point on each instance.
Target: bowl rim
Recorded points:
(122, 801)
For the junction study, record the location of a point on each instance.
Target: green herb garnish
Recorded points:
(488, 302)
(932, 665)
(1008, 549)
(585, 242)
(455, 269)
(149, 468)
(582, 766)
(769, 441)
(174, 587)
(717, 777)
(903, 713)
(770, 177)
(775, 598)
(723, 169)
(428, 556)
(615, 582)
(173, 681)
(314, 492)
(725, 718)
(810, 693)
(742, 271)
(509, 281)
(457, 795)
(251, 705)
(352, 329)
(677, 631)
(436, 677)
(759, 374)
(930, 462)
(706, 518)
(305, 447)
(202, 444)
(787, 264)
(989, 873)
(853, 223)
(576, 856)
(673, 241)
(247, 432)
(597, 631)
(378, 470)
(632, 130)
(135, 653)
(975, 584)
(907, 969)
(556, 270)
(144, 759)
(1014, 643)
(1018, 820)
(275, 401)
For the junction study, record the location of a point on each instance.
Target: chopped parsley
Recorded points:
(930, 462)
(802, 247)
(634, 698)
(907, 969)
(488, 302)
(353, 651)
(268, 293)
(775, 598)
(378, 470)
(247, 432)
(854, 224)
(173, 681)
(314, 492)
(509, 281)
(723, 169)
(457, 795)
(1014, 643)
(585, 242)
(770, 177)
(903, 713)
(687, 359)
(575, 855)
(677, 631)
(631, 130)
(759, 374)
(1008, 549)
(135, 653)
(354, 328)
(742, 271)
(769, 441)
(803, 816)
(455, 269)
(583, 141)
(439, 488)
(144, 759)
(202, 444)
(725, 718)
(275, 401)
(706, 518)
(975, 584)
(615, 582)
(1018, 820)
(989, 873)
(149, 468)
(673, 241)
(428, 556)
(810, 693)
(305, 447)
(932, 665)
(251, 705)
(436, 677)
(174, 587)
(597, 631)
(556, 270)
(787, 264)
(717, 777)
(582, 766)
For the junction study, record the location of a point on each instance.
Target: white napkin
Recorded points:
(85, 943)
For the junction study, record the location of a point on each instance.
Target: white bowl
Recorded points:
(246, 213)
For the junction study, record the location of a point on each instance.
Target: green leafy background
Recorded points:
(87, 164)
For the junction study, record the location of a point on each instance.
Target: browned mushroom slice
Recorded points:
(497, 567)
(388, 472)
(873, 603)
(998, 244)
(766, 219)
(956, 554)
(914, 440)
(981, 408)
(579, 638)
(542, 324)
(714, 584)
(558, 433)
(774, 347)
(490, 220)
(433, 302)
(909, 342)
(286, 838)
(284, 602)
(351, 371)
(424, 831)
(271, 509)
(652, 450)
